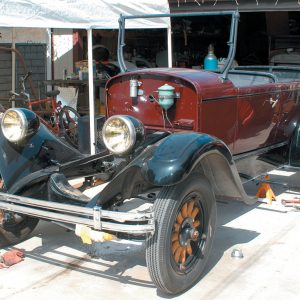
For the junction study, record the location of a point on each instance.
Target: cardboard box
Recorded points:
(82, 66)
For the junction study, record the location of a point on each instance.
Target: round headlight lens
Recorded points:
(120, 133)
(14, 125)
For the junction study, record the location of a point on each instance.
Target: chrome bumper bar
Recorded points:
(95, 217)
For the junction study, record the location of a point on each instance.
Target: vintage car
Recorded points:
(175, 141)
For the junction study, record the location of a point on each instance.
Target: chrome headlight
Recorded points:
(18, 123)
(122, 133)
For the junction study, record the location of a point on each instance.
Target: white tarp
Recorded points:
(80, 14)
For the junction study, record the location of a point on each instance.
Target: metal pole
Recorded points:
(13, 65)
(232, 45)
(91, 91)
(169, 32)
(49, 57)
(121, 44)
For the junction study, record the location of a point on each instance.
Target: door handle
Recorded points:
(273, 102)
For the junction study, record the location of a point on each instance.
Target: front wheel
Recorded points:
(68, 122)
(15, 228)
(185, 218)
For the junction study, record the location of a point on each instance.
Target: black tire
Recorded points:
(16, 229)
(169, 274)
(68, 122)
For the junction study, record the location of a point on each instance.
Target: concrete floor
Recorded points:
(58, 265)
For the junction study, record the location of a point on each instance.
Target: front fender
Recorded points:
(38, 152)
(178, 154)
(166, 162)
(169, 161)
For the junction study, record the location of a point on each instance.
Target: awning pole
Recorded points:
(13, 65)
(91, 91)
(169, 33)
(49, 57)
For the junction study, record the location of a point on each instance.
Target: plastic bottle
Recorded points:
(210, 60)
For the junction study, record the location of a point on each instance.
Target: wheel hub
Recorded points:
(185, 232)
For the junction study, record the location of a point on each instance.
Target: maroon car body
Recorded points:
(247, 112)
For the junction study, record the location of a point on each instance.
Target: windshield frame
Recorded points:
(231, 43)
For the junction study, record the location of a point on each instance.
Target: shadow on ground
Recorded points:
(113, 260)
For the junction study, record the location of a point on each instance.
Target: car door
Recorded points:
(289, 110)
(258, 114)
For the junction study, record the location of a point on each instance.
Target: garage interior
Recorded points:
(259, 35)
(264, 38)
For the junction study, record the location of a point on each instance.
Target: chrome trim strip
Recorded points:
(92, 217)
(45, 214)
(237, 157)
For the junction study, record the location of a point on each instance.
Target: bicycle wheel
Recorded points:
(68, 121)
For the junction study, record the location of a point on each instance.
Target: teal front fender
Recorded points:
(178, 154)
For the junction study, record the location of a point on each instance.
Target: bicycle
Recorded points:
(62, 120)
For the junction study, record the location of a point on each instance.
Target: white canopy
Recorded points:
(80, 14)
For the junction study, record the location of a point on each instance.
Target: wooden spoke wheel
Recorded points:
(187, 232)
(185, 217)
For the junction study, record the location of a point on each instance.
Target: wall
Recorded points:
(33, 45)
(63, 52)
(24, 35)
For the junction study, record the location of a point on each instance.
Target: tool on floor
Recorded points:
(237, 253)
(290, 202)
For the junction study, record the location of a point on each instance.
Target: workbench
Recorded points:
(83, 92)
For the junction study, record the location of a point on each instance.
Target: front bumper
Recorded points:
(96, 218)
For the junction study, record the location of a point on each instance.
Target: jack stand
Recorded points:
(265, 191)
